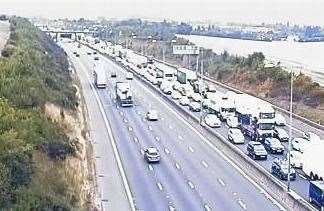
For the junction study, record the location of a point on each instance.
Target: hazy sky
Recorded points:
(255, 11)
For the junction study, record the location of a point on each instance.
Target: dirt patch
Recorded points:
(4, 33)
(74, 126)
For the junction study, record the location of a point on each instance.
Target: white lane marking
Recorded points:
(125, 120)
(130, 128)
(150, 167)
(172, 208)
(234, 193)
(167, 151)
(211, 145)
(150, 127)
(113, 143)
(204, 163)
(121, 113)
(207, 207)
(157, 138)
(159, 186)
(142, 151)
(302, 176)
(220, 181)
(135, 139)
(162, 118)
(191, 185)
(180, 137)
(170, 127)
(177, 165)
(242, 204)
(138, 112)
(191, 149)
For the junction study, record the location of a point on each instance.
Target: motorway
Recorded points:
(191, 175)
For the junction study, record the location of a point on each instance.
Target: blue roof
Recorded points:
(319, 184)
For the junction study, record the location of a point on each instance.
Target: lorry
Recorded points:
(123, 94)
(256, 117)
(99, 76)
(316, 193)
(313, 157)
(165, 72)
(185, 75)
(221, 105)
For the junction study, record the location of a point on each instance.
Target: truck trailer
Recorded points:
(316, 193)
(99, 76)
(124, 94)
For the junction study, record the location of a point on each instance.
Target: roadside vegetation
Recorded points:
(250, 74)
(34, 174)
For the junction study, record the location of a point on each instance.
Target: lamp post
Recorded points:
(201, 85)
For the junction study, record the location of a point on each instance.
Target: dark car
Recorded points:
(256, 150)
(281, 134)
(113, 74)
(273, 145)
(77, 55)
(96, 58)
(95, 52)
(279, 168)
(89, 53)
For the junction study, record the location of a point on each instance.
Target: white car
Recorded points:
(236, 136)
(196, 97)
(296, 159)
(176, 86)
(311, 136)
(129, 76)
(280, 120)
(194, 106)
(298, 144)
(176, 95)
(152, 155)
(212, 121)
(206, 103)
(152, 115)
(232, 121)
(167, 90)
(184, 101)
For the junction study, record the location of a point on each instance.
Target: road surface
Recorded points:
(191, 174)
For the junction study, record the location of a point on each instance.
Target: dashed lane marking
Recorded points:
(167, 151)
(177, 165)
(191, 185)
(191, 149)
(159, 186)
(220, 181)
(150, 167)
(207, 207)
(242, 204)
(204, 163)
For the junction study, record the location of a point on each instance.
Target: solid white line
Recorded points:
(191, 149)
(204, 163)
(302, 176)
(211, 145)
(113, 143)
(159, 186)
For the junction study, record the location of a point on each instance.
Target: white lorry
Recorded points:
(99, 76)
(124, 95)
(313, 157)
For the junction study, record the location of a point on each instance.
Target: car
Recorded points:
(152, 115)
(273, 145)
(232, 121)
(206, 103)
(95, 52)
(298, 144)
(89, 53)
(196, 97)
(281, 134)
(96, 58)
(212, 121)
(236, 136)
(74, 52)
(184, 100)
(210, 88)
(311, 136)
(280, 120)
(194, 106)
(256, 150)
(167, 90)
(175, 95)
(279, 168)
(154, 80)
(296, 159)
(129, 76)
(152, 155)
(113, 74)
(176, 86)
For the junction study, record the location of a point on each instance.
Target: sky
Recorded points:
(310, 12)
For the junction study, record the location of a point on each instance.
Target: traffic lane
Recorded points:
(201, 166)
(143, 185)
(213, 153)
(137, 173)
(108, 178)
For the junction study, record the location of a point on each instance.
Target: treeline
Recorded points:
(34, 71)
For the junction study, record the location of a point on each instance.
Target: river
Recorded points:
(307, 57)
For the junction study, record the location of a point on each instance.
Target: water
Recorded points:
(305, 57)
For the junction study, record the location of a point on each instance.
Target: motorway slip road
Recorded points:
(191, 175)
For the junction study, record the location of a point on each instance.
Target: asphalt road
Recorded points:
(191, 174)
